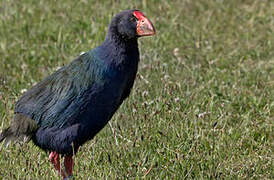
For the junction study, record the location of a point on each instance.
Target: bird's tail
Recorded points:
(21, 129)
(7, 135)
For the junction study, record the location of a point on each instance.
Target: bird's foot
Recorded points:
(68, 178)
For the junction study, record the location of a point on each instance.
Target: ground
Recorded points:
(202, 106)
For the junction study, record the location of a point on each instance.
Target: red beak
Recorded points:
(144, 25)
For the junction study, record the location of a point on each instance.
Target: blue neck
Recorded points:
(119, 51)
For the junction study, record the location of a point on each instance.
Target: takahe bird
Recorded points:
(72, 105)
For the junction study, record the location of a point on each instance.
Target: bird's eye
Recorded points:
(134, 19)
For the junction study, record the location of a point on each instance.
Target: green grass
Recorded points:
(202, 106)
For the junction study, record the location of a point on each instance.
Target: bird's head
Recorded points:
(131, 24)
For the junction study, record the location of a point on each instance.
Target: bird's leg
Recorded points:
(68, 163)
(55, 160)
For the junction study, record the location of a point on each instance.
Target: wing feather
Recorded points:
(58, 98)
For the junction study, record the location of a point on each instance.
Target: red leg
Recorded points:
(68, 163)
(55, 160)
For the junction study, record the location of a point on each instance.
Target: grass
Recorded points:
(202, 106)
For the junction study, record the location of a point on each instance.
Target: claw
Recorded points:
(68, 178)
